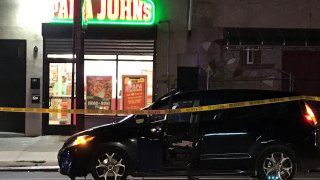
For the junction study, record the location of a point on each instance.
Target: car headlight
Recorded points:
(82, 140)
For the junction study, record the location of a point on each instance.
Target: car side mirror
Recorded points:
(140, 119)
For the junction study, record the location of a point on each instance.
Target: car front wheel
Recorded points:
(110, 164)
(276, 163)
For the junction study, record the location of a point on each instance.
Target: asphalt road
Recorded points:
(57, 176)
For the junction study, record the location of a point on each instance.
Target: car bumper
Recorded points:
(311, 161)
(73, 162)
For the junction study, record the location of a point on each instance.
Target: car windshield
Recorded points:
(161, 103)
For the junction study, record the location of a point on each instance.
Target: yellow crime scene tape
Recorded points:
(167, 111)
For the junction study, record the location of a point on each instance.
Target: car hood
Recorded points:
(127, 127)
(127, 122)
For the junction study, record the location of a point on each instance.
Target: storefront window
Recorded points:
(114, 82)
(104, 82)
(100, 84)
(138, 89)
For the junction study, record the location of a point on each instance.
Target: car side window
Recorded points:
(233, 119)
(180, 117)
(236, 119)
(210, 119)
(247, 118)
(182, 101)
(179, 124)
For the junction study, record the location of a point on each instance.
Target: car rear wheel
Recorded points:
(110, 164)
(276, 163)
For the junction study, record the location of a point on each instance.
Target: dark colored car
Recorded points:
(269, 141)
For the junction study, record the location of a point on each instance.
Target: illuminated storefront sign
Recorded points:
(139, 12)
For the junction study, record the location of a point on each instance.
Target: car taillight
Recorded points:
(309, 115)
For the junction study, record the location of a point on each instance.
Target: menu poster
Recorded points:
(134, 90)
(99, 92)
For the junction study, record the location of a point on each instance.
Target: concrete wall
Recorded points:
(171, 41)
(229, 73)
(21, 19)
(259, 13)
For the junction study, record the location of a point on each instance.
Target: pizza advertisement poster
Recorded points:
(134, 90)
(99, 92)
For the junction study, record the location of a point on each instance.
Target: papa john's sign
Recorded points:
(139, 12)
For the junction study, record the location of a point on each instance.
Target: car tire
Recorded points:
(277, 162)
(110, 163)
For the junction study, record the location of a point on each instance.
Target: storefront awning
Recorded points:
(101, 32)
(271, 37)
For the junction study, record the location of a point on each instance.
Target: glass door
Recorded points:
(60, 92)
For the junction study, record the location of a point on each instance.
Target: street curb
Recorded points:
(32, 168)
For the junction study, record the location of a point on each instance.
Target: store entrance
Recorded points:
(59, 88)
(60, 92)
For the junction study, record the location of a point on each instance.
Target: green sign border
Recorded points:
(105, 22)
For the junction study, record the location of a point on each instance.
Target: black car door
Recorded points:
(180, 132)
(225, 137)
(151, 137)
(166, 141)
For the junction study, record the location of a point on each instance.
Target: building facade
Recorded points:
(191, 44)
(258, 44)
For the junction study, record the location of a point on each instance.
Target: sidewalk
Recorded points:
(18, 152)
